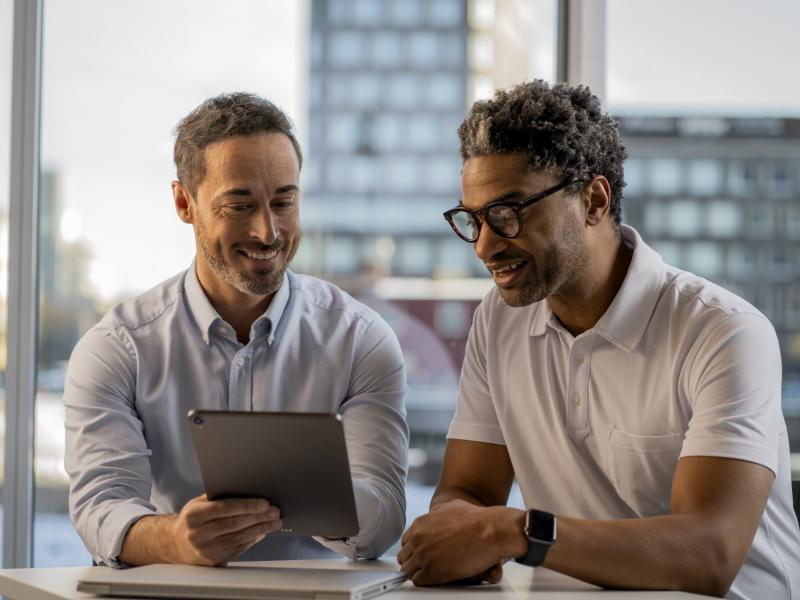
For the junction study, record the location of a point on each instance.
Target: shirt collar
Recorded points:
(624, 322)
(206, 315)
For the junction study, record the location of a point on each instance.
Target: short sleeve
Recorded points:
(734, 387)
(475, 418)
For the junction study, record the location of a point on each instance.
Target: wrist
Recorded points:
(506, 532)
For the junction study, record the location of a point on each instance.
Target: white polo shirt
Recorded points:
(595, 424)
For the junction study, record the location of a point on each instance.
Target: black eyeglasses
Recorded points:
(503, 217)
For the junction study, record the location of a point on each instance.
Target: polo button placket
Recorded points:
(577, 408)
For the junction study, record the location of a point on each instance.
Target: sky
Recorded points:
(118, 75)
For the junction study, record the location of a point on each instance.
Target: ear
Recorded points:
(597, 200)
(184, 203)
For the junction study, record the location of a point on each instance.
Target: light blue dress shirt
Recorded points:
(133, 377)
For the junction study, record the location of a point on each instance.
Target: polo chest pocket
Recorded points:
(642, 468)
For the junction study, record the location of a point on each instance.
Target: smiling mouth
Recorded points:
(507, 275)
(269, 255)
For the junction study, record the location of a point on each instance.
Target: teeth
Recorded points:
(507, 268)
(261, 255)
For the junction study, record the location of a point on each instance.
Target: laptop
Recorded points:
(240, 582)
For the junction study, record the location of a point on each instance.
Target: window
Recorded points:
(115, 82)
(724, 219)
(666, 176)
(684, 218)
(705, 177)
(346, 48)
(386, 49)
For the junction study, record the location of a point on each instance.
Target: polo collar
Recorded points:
(626, 319)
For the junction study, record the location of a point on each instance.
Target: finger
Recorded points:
(221, 527)
(410, 566)
(209, 510)
(250, 534)
(495, 574)
(407, 535)
(404, 554)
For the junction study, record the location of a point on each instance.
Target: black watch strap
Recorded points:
(536, 553)
(540, 529)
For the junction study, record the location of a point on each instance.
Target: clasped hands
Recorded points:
(457, 542)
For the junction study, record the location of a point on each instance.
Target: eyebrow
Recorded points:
(247, 193)
(503, 198)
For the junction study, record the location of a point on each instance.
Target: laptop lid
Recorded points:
(240, 582)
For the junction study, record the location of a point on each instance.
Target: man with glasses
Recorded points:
(236, 331)
(637, 405)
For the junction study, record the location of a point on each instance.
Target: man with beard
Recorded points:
(637, 405)
(236, 331)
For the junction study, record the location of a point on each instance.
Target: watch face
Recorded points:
(542, 526)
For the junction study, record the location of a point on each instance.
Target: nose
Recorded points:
(262, 226)
(488, 243)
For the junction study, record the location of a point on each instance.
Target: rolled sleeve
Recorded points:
(106, 458)
(376, 433)
(734, 385)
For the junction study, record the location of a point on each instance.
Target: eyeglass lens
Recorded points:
(502, 219)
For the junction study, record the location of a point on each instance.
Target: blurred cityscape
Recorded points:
(388, 84)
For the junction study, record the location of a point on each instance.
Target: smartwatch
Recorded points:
(540, 529)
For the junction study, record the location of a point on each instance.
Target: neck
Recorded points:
(236, 308)
(581, 304)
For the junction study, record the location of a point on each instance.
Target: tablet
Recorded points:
(297, 461)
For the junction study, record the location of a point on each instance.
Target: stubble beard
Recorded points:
(265, 281)
(563, 264)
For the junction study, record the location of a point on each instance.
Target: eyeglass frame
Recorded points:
(479, 215)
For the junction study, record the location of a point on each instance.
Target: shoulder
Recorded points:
(701, 304)
(323, 299)
(146, 308)
(716, 326)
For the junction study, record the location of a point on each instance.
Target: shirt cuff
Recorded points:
(369, 507)
(116, 525)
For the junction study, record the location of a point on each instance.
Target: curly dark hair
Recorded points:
(562, 127)
(221, 117)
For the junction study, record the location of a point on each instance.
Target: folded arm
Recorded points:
(716, 508)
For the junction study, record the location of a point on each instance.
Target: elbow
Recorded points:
(714, 570)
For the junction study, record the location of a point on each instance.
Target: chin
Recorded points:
(523, 296)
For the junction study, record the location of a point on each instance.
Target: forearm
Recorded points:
(150, 540)
(450, 493)
(681, 552)
(675, 552)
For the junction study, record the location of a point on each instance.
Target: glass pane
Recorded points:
(725, 152)
(397, 85)
(6, 37)
(116, 79)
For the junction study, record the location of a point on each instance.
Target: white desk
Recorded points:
(519, 583)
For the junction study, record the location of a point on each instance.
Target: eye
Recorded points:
(238, 209)
(282, 203)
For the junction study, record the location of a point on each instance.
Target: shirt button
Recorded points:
(240, 362)
(577, 399)
(579, 359)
